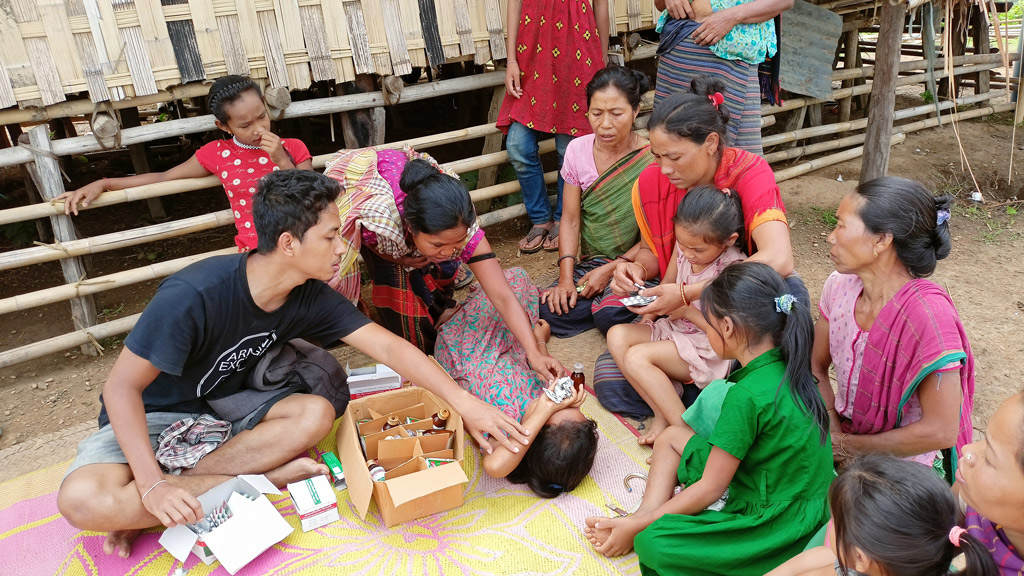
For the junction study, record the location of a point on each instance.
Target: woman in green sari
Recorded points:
(598, 226)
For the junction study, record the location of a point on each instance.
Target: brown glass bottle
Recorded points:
(441, 419)
(578, 377)
(376, 470)
(391, 423)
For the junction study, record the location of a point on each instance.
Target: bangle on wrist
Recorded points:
(644, 269)
(623, 257)
(682, 292)
(575, 260)
(842, 446)
(151, 488)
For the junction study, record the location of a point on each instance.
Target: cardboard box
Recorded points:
(254, 526)
(411, 489)
(315, 502)
(372, 379)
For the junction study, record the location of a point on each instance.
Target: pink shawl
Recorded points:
(916, 333)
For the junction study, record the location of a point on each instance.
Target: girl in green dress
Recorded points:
(760, 438)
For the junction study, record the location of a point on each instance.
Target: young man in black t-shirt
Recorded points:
(197, 341)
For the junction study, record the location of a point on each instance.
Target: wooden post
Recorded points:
(492, 143)
(140, 161)
(362, 128)
(979, 31)
(46, 173)
(883, 92)
(850, 49)
(42, 229)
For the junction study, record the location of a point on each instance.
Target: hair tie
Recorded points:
(717, 99)
(943, 217)
(954, 535)
(784, 304)
(556, 487)
(727, 192)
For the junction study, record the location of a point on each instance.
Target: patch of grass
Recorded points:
(111, 312)
(828, 218)
(1011, 210)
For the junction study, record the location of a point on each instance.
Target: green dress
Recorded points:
(778, 496)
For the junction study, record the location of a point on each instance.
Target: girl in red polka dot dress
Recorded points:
(252, 152)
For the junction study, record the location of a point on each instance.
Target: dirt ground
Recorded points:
(983, 274)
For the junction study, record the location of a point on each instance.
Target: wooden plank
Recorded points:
(7, 98)
(495, 29)
(464, 27)
(315, 31)
(135, 52)
(492, 142)
(396, 37)
(851, 46)
(157, 42)
(61, 46)
(883, 92)
(109, 63)
(358, 38)
(32, 32)
(235, 60)
(248, 24)
(806, 65)
(92, 67)
(208, 38)
(431, 33)
(633, 14)
(46, 173)
(272, 50)
(140, 160)
(186, 49)
(293, 45)
(17, 66)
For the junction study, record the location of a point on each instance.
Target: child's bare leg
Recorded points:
(649, 367)
(542, 331)
(614, 536)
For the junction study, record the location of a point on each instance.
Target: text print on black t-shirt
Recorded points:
(236, 359)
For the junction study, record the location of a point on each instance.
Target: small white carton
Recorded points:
(315, 502)
(255, 525)
(372, 379)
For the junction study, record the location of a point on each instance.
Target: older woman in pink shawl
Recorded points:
(902, 360)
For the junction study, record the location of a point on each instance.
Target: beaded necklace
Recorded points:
(246, 146)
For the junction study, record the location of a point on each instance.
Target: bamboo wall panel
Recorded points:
(109, 50)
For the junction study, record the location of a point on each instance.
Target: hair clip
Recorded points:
(717, 99)
(784, 303)
(943, 217)
(954, 535)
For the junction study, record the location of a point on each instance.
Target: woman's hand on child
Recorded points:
(271, 144)
(480, 418)
(714, 28)
(560, 299)
(679, 9)
(547, 366)
(81, 197)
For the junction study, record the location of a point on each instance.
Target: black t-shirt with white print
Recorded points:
(204, 331)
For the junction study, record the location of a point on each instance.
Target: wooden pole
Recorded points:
(46, 174)
(140, 161)
(851, 40)
(492, 143)
(883, 92)
(86, 106)
(979, 31)
(364, 127)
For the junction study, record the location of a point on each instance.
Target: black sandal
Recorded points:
(534, 233)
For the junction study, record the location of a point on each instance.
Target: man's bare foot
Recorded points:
(657, 426)
(298, 469)
(120, 542)
(542, 331)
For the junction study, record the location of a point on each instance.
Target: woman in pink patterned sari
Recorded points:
(902, 360)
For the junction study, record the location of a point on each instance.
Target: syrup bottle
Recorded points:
(441, 419)
(376, 470)
(578, 377)
(391, 423)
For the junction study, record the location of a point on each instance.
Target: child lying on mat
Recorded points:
(477, 349)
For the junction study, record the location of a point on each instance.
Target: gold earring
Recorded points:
(874, 252)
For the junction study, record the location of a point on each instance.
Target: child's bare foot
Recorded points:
(612, 536)
(298, 469)
(120, 542)
(656, 427)
(542, 331)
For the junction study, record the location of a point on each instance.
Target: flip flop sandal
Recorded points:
(534, 233)
(464, 277)
(552, 236)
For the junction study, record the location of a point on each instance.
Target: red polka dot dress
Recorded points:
(239, 169)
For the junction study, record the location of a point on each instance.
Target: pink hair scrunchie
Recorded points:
(954, 535)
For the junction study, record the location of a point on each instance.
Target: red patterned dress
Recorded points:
(558, 50)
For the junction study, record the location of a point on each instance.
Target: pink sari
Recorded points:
(916, 333)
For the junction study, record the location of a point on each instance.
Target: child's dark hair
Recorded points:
(434, 201)
(918, 221)
(713, 214)
(760, 304)
(631, 83)
(290, 201)
(228, 89)
(900, 515)
(693, 115)
(559, 458)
